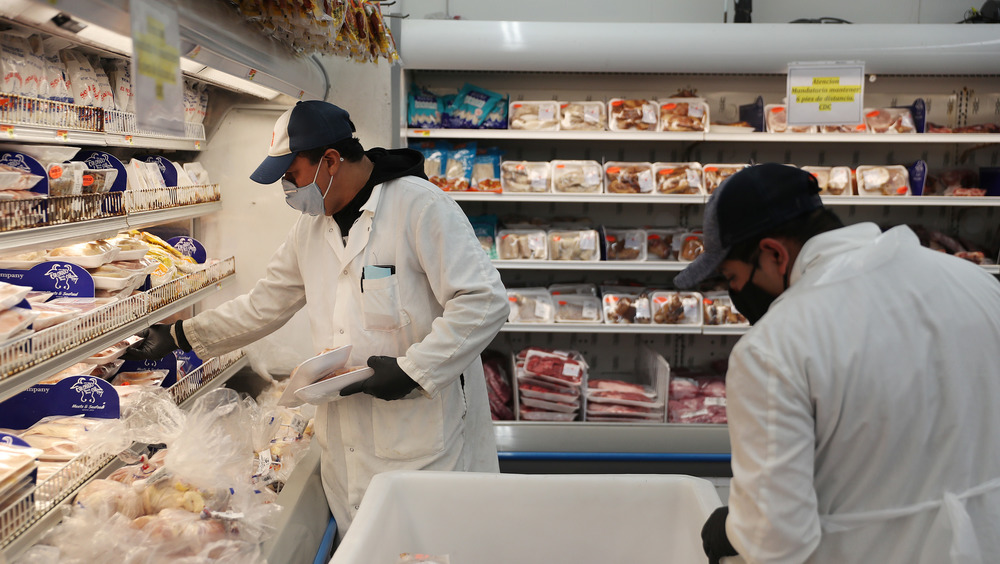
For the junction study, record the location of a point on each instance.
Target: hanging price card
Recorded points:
(825, 93)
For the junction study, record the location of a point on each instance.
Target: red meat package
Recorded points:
(540, 389)
(607, 387)
(701, 409)
(613, 412)
(550, 405)
(531, 414)
(554, 368)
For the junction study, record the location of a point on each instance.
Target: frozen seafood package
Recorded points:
(458, 169)
(580, 244)
(530, 305)
(628, 178)
(893, 180)
(678, 178)
(12, 178)
(715, 174)
(522, 244)
(525, 176)
(776, 120)
(676, 308)
(577, 177)
(486, 172)
(832, 180)
(632, 115)
(534, 116)
(576, 116)
(683, 114)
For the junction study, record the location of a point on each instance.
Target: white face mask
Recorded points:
(306, 199)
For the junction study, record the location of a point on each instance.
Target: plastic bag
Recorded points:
(56, 75)
(82, 79)
(458, 171)
(486, 171)
(105, 93)
(12, 64)
(33, 75)
(109, 496)
(423, 109)
(470, 107)
(191, 103)
(120, 77)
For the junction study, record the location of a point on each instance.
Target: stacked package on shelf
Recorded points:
(17, 465)
(616, 401)
(549, 384)
(14, 320)
(498, 388)
(697, 396)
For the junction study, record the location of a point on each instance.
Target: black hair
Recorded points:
(799, 229)
(350, 149)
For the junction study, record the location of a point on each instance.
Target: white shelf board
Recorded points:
(599, 328)
(137, 220)
(992, 268)
(26, 378)
(51, 236)
(601, 198)
(758, 137)
(588, 436)
(724, 329)
(216, 382)
(930, 201)
(53, 135)
(614, 265)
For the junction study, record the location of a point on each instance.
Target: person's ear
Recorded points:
(332, 160)
(775, 251)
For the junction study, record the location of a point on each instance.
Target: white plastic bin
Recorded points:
(478, 518)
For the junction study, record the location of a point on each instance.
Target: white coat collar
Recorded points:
(846, 252)
(372, 204)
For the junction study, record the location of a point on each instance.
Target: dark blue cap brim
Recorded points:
(273, 168)
(702, 267)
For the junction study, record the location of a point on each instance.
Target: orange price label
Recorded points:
(666, 171)
(128, 139)
(8, 129)
(88, 179)
(614, 170)
(668, 106)
(777, 110)
(62, 133)
(197, 144)
(55, 172)
(422, 132)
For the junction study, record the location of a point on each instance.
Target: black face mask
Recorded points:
(752, 301)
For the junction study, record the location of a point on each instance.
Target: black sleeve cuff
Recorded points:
(713, 536)
(182, 341)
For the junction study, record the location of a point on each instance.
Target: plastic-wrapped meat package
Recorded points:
(630, 115)
(543, 390)
(776, 119)
(689, 246)
(535, 414)
(78, 369)
(677, 308)
(12, 178)
(12, 294)
(715, 174)
(696, 397)
(498, 389)
(599, 386)
(626, 308)
(179, 531)
(684, 114)
(891, 180)
(573, 290)
(577, 309)
(554, 368)
(611, 411)
(582, 116)
(51, 315)
(684, 388)
(109, 496)
(832, 180)
(559, 407)
(678, 178)
(538, 116)
(139, 378)
(60, 438)
(629, 178)
(525, 176)
(577, 176)
(719, 310)
(660, 244)
(15, 321)
(889, 120)
(574, 245)
(625, 244)
(847, 128)
(530, 305)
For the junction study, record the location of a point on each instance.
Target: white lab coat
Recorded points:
(440, 309)
(862, 409)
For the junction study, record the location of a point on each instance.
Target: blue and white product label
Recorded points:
(191, 247)
(919, 112)
(27, 163)
(167, 169)
(77, 395)
(187, 362)
(64, 279)
(918, 175)
(99, 160)
(12, 440)
(168, 363)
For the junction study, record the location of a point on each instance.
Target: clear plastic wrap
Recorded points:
(82, 79)
(631, 115)
(832, 180)
(537, 116)
(660, 244)
(588, 116)
(581, 244)
(684, 114)
(628, 178)
(719, 310)
(625, 244)
(776, 120)
(16, 179)
(676, 308)
(678, 178)
(555, 368)
(110, 496)
(577, 176)
(688, 246)
(530, 305)
(580, 289)
(14, 321)
(522, 244)
(715, 174)
(12, 294)
(626, 308)
(12, 63)
(893, 180)
(577, 309)
(889, 120)
(525, 176)
(458, 170)
(486, 172)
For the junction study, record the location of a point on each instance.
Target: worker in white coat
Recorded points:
(862, 402)
(384, 261)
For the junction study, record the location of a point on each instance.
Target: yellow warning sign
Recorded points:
(824, 90)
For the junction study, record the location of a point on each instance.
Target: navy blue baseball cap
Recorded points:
(747, 204)
(308, 125)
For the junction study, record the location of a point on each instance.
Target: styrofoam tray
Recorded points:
(88, 261)
(329, 390)
(133, 254)
(311, 370)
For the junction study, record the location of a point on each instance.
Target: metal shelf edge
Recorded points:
(59, 235)
(216, 382)
(642, 266)
(136, 220)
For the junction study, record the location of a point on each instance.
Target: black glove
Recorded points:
(388, 383)
(713, 536)
(156, 343)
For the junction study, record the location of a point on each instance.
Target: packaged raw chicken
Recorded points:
(678, 178)
(12, 294)
(51, 315)
(622, 308)
(683, 114)
(23, 261)
(719, 310)
(677, 308)
(689, 246)
(579, 244)
(530, 305)
(582, 116)
(34, 297)
(525, 176)
(715, 174)
(893, 180)
(60, 438)
(625, 244)
(16, 179)
(538, 116)
(660, 244)
(129, 248)
(577, 176)
(577, 309)
(522, 244)
(87, 255)
(889, 120)
(776, 119)
(15, 321)
(631, 115)
(629, 178)
(109, 497)
(832, 180)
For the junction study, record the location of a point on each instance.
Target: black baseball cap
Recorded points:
(308, 125)
(748, 203)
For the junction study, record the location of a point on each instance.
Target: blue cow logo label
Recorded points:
(88, 389)
(62, 275)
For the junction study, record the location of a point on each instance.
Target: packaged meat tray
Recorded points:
(577, 309)
(715, 174)
(632, 115)
(114, 351)
(129, 248)
(889, 120)
(16, 179)
(15, 321)
(12, 294)
(530, 414)
(660, 244)
(701, 409)
(87, 255)
(677, 308)
(554, 368)
(832, 180)
(847, 128)
(608, 386)
(623, 398)
(689, 246)
(625, 244)
(589, 116)
(579, 244)
(139, 378)
(719, 310)
(893, 180)
(522, 244)
(678, 178)
(60, 438)
(530, 305)
(609, 411)
(684, 114)
(525, 176)
(577, 177)
(776, 121)
(626, 309)
(540, 389)
(573, 290)
(546, 405)
(628, 178)
(536, 116)
(23, 261)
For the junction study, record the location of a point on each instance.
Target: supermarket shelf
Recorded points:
(724, 329)
(755, 137)
(935, 201)
(584, 437)
(615, 265)
(138, 220)
(577, 198)
(305, 514)
(216, 381)
(51, 236)
(28, 377)
(41, 134)
(992, 268)
(617, 328)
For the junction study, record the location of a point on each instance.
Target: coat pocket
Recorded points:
(380, 305)
(408, 428)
